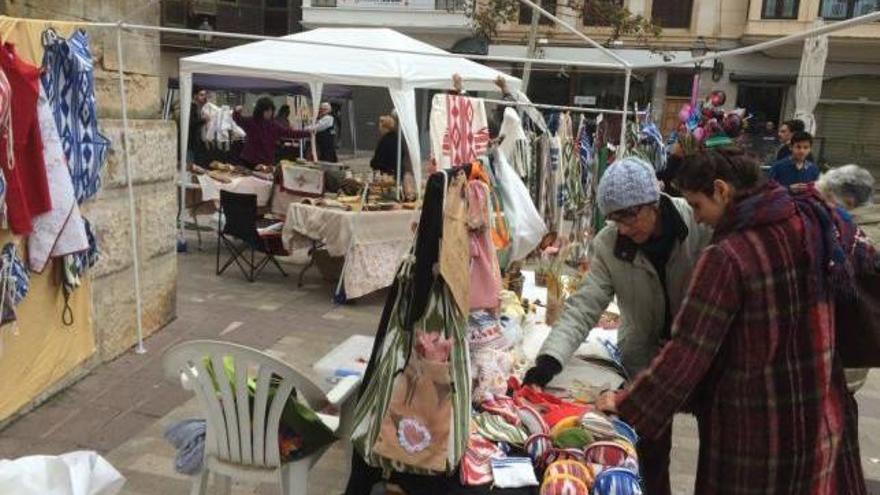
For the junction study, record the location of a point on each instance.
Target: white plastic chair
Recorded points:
(236, 444)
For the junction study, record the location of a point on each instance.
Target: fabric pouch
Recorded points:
(415, 429)
(513, 472)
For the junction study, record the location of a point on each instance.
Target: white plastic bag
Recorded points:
(523, 220)
(74, 473)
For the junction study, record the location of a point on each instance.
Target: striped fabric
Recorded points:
(441, 314)
(496, 428)
(753, 351)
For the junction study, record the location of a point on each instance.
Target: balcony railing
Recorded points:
(447, 5)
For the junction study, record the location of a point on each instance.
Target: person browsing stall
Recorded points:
(325, 133)
(386, 156)
(644, 256)
(263, 133)
(797, 170)
(852, 188)
(753, 345)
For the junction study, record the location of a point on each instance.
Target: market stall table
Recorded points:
(203, 194)
(373, 242)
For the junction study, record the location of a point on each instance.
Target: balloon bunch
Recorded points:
(707, 121)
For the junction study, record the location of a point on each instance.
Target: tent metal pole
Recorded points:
(353, 127)
(399, 149)
(140, 349)
(626, 85)
(530, 53)
(563, 108)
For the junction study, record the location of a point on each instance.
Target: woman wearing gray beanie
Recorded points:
(644, 256)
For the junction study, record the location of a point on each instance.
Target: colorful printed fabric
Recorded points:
(493, 427)
(599, 425)
(485, 332)
(476, 465)
(6, 132)
(617, 482)
(75, 265)
(14, 282)
(459, 130)
(69, 81)
(564, 484)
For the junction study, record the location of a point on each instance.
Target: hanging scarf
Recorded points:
(14, 282)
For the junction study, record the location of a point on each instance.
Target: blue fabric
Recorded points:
(188, 437)
(17, 282)
(786, 173)
(69, 81)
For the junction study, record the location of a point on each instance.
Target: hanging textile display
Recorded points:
(550, 175)
(5, 133)
(571, 189)
(581, 179)
(14, 282)
(459, 130)
(424, 323)
(73, 267)
(300, 111)
(27, 193)
(68, 78)
(62, 230)
(515, 144)
(220, 128)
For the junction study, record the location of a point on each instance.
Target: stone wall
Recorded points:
(153, 155)
(153, 151)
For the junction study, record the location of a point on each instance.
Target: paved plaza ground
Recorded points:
(122, 408)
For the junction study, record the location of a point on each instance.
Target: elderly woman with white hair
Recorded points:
(852, 187)
(325, 133)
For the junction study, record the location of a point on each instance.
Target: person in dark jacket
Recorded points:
(386, 156)
(195, 152)
(263, 133)
(786, 131)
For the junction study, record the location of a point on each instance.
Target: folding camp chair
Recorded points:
(240, 235)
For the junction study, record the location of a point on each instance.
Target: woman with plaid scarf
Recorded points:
(753, 348)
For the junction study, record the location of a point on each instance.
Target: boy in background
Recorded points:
(796, 171)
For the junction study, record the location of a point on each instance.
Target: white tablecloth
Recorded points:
(373, 242)
(243, 185)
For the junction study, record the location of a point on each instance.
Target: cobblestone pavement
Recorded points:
(122, 408)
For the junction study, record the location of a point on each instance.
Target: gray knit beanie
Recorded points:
(626, 183)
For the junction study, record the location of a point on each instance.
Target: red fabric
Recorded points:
(753, 349)
(552, 408)
(27, 189)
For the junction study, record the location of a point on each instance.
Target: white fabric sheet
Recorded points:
(61, 230)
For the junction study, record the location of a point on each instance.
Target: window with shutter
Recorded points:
(672, 13)
(780, 9)
(596, 12)
(525, 12)
(847, 9)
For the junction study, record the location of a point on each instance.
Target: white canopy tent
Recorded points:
(316, 61)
